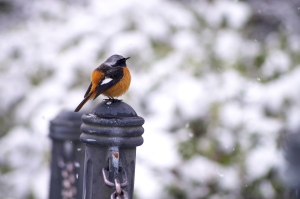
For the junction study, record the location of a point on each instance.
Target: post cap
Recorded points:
(109, 109)
(66, 126)
(112, 124)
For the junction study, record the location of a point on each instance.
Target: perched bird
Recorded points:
(112, 79)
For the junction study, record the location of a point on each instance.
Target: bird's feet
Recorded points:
(112, 100)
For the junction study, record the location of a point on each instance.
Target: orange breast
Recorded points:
(121, 87)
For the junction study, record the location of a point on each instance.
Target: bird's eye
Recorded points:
(120, 61)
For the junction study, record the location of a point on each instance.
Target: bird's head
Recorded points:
(116, 61)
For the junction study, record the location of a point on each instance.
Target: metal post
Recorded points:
(292, 151)
(67, 157)
(111, 132)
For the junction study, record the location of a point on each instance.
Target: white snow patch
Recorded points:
(228, 45)
(276, 62)
(261, 159)
(231, 114)
(235, 13)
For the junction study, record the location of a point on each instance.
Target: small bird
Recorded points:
(112, 79)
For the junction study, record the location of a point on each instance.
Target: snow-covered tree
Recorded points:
(215, 89)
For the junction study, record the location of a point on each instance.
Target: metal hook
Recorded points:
(112, 184)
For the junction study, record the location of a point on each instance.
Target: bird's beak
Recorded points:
(127, 58)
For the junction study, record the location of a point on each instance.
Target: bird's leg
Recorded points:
(109, 99)
(115, 100)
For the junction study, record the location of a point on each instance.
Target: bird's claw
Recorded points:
(112, 100)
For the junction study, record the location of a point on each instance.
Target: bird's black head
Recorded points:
(116, 61)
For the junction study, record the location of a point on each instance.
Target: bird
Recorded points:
(112, 79)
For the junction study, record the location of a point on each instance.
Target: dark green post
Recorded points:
(292, 174)
(111, 132)
(67, 157)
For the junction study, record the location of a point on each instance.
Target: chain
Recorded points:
(119, 193)
(115, 172)
(68, 190)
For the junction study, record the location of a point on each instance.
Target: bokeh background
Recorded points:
(217, 82)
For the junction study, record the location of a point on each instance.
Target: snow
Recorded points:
(235, 13)
(201, 169)
(232, 115)
(175, 81)
(228, 45)
(283, 86)
(277, 62)
(184, 41)
(261, 159)
(15, 147)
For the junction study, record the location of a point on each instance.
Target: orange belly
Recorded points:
(121, 87)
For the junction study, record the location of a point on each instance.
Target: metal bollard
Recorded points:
(111, 132)
(67, 156)
(292, 174)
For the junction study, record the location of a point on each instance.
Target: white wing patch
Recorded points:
(106, 80)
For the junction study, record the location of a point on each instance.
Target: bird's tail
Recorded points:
(82, 103)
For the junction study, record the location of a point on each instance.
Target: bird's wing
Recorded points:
(88, 90)
(112, 76)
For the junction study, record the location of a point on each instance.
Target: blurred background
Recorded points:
(217, 82)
